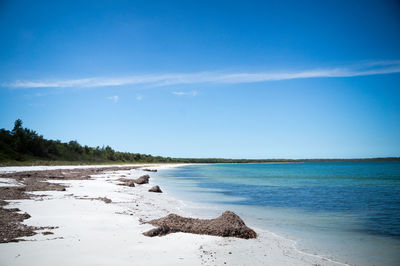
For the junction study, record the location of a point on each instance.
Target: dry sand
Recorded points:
(90, 230)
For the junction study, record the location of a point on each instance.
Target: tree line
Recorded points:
(23, 144)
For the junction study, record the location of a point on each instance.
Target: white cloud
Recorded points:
(157, 80)
(139, 97)
(181, 93)
(113, 98)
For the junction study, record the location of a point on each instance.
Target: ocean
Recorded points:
(346, 211)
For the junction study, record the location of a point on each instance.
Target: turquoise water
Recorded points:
(348, 211)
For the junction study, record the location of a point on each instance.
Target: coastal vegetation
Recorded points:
(21, 146)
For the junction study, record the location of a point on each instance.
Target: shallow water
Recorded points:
(348, 211)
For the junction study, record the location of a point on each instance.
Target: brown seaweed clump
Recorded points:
(227, 225)
(144, 179)
(156, 189)
(11, 225)
(127, 182)
(149, 170)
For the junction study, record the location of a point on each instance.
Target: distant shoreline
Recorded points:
(197, 161)
(24, 147)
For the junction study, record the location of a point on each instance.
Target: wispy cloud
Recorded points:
(114, 98)
(179, 93)
(182, 93)
(157, 80)
(139, 97)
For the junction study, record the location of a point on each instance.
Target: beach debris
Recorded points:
(155, 189)
(144, 179)
(159, 231)
(67, 174)
(105, 199)
(227, 225)
(149, 170)
(11, 226)
(127, 182)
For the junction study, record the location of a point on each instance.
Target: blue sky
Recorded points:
(234, 79)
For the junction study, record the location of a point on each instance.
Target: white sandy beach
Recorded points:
(91, 232)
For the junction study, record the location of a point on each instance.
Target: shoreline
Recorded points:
(121, 227)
